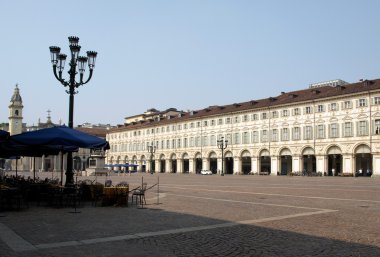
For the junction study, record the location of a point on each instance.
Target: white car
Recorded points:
(206, 172)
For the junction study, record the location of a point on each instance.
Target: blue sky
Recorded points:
(182, 54)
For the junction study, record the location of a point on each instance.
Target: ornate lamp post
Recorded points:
(151, 150)
(58, 62)
(222, 144)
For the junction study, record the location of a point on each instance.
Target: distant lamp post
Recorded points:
(76, 63)
(222, 144)
(151, 150)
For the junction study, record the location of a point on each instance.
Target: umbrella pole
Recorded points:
(61, 168)
(34, 168)
(16, 167)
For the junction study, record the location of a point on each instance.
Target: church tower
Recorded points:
(15, 113)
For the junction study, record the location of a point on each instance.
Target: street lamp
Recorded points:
(58, 61)
(222, 144)
(151, 150)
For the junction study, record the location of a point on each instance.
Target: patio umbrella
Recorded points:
(59, 137)
(4, 135)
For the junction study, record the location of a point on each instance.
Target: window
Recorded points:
(205, 141)
(191, 142)
(237, 138)
(274, 135)
(275, 114)
(212, 140)
(236, 119)
(333, 107)
(245, 137)
(168, 144)
(362, 102)
(192, 125)
(320, 131)
(205, 123)
(376, 128)
(229, 138)
(347, 129)
(255, 137)
(308, 110)
(173, 144)
(376, 100)
(362, 128)
(347, 105)
(168, 129)
(308, 134)
(285, 134)
(220, 121)
(285, 113)
(334, 130)
(197, 141)
(185, 142)
(296, 111)
(263, 115)
(212, 122)
(296, 133)
(245, 118)
(228, 120)
(179, 127)
(185, 126)
(254, 116)
(321, 108)
(264, 136)
(198, 124)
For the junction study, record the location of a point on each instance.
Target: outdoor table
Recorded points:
(116, 196)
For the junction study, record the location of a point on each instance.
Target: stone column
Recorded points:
(375, 164)
(237, 165)
(321, 163)
(219, 165)
(348, 163)
(168, 167)
(296, 165)
(274, 165)
(158, 165)
(254, 164)
(205, 164)
(191, 166)
(180, 165)
(148, 165)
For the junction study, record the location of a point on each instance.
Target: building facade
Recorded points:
(327, 129)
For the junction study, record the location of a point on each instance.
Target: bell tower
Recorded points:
(15, 113)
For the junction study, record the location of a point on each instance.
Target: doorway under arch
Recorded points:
(246, 163)
(229, 161)
(363, 161)
(286, 163)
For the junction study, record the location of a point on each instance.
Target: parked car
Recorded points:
(206, 172)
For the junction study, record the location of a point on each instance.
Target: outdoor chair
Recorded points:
(139, 193)
(122, 184)
(96, 194)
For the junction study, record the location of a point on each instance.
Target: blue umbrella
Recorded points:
(59, 137)
(4, 135)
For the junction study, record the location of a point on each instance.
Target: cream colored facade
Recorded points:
(332, 135)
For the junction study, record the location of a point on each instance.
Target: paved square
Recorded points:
(210, 216)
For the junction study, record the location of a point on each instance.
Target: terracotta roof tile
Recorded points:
(299, 96)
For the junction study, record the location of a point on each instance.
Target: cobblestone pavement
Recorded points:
(209, 216)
